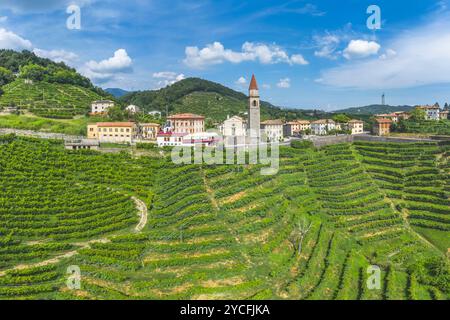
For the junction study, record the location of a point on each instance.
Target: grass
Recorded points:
(439, 238)
(30, 122)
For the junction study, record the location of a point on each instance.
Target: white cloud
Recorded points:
(108, 69)
(266, 86)
(216, 53)
(120, 62)
(57, 55)
(241, 81)
(361, 49)
(388, 54)
(166, 78)
(328, 45)
(284, 83)
(422, 58)
(10, 40)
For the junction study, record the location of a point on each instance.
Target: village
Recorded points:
(188, 129)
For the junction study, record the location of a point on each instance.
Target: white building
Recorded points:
(273, 129)
(133, 109)
(233, 130)
(101, 106)
(322, 127)
(155, 114)
(431, 112)
(170, 139)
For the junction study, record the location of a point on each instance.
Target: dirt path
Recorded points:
(143, 213)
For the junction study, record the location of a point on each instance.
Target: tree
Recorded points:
(33, 72)
(299, 233)
(418, 114)
(6, 76)
(341, 118)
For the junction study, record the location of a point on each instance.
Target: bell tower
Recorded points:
(254, 118)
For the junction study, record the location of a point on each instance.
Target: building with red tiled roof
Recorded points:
(186, 123)
(382, 127)
(113, 132)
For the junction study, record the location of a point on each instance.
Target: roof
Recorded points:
(186, 116)
(428, 107)
(323, 121)
(272, 122)
(115, 124)
(253, 84)
(82, 142)
(355, 121)
(171, 134)
(237, 118)
(298, 122)
(150, 124)
(380, 120)
(103, 101)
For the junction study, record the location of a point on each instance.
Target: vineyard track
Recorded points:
(143, 213)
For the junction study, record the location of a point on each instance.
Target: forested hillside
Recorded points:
(207, 98)
(44, 87)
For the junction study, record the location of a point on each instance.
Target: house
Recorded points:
(394, 117)
(273, 129)
(113, 132)
(82, 144)
(233, 130)
(133, 109)
(101, 106)
(186, 123)
(403, 115)
(356, 126)
(202, 138)
(170, 139)
(295, 128)
(149, 131)
(443, 115)
(155, 114)
(431, 112)
(382, 126)
(323, 126)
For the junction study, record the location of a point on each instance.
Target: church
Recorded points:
(236, 130)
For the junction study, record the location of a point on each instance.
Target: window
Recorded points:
(255, 103)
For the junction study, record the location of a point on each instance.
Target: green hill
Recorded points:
(374, 109)
(44, 87)
(52, 100)
(207, 98)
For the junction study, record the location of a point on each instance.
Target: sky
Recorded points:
(304, 54)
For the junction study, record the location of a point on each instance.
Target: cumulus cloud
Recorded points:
(120, 62)
(108, 69)
(57, 55)
(241, 81)
(284, 83)
(216, 53)
(167, 78)
(421, 58)
(361, 49)
(10, 40)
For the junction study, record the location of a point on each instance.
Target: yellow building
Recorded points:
(113, 132)
(149, 131)
(356, 126)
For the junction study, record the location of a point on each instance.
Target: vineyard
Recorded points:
(50, 100)
(225, 231)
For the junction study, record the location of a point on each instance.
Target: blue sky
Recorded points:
(305, 54)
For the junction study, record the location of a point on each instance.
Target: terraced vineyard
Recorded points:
(48, 99)
(225, 231)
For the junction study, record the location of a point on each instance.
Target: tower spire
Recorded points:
(253, 84)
